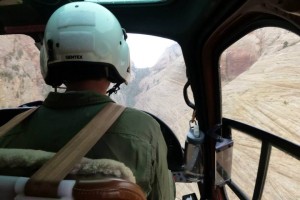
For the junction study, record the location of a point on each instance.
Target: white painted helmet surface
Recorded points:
(80, 35)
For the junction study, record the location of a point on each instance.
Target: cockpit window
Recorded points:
(261, 78)
(260, 87)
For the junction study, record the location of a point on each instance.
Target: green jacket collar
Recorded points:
(75, 99)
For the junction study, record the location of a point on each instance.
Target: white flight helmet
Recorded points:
(83, 40)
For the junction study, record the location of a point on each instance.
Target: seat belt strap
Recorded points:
(46, 179)
(16, 120)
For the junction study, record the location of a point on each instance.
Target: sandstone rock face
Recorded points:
(239, 57)
(267, 96)
(20, 77)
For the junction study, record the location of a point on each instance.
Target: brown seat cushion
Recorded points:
(107, 189)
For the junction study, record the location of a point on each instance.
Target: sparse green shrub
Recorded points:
(285, 44)
(15, 67)
(6, 74)
(19, 53)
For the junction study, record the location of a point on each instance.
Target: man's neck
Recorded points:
(99, 86)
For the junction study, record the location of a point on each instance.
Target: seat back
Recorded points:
(12, 187)
(107, 189)
(89, 179)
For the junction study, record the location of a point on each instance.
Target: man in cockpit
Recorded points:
(85, 49)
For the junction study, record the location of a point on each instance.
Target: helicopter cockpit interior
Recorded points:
(221, 79)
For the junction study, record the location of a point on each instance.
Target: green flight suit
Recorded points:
(134, 139)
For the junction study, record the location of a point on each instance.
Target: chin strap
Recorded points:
(114, 89)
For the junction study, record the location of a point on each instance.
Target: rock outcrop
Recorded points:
(267, 96)
(20, 77)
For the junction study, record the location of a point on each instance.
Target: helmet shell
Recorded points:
(82, 39)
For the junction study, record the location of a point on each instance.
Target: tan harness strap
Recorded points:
(16, 120)
(56, 169)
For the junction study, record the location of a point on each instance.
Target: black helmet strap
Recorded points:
(114, 89)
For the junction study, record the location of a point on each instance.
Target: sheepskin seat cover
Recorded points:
(87, 168)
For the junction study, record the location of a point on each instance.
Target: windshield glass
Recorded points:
(260, 87)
